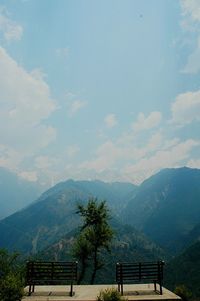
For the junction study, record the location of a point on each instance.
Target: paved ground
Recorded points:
(140, 292)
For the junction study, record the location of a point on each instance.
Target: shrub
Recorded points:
(183, 292)
(11, 288)
(11, 277)
(110, 294)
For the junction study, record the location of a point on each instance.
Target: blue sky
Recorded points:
(104, 90)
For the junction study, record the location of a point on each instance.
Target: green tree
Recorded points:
(11, 280)
(95, 235)
(82, 250)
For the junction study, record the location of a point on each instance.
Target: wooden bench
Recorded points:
(139, 271)
(48, 273)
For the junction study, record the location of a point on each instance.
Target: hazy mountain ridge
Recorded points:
(127, 243)
(117, 194)
(53, 214)
(167, 207)
(15, 192)
(170, 195)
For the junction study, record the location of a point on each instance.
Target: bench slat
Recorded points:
(133, 271)
(44, 272)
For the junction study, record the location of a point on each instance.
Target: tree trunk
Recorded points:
(82, 273)
(95, 266)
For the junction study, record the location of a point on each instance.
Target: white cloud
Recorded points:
(193, 63)
(191, 23)
(135, 162)
(110, 154)
(9, 158)
(23, 96)
(10, 29)
(43, 162)
(106, 155)
(145, 123)
(62, 52)
(168, 144)
(172, 157)
(194, 163)
(38, 74)
(25, 103)
(72, 151)
(186, 108)
(191, 8)
(110, 120)
(154, 142)
(75, 106)
(30, 176)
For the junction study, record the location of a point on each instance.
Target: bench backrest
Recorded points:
(51, 271)
(139, 271)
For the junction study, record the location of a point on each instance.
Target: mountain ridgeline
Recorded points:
(167, 207)
(53, 214)
(159, 219)
(127, 243)
(15, 192)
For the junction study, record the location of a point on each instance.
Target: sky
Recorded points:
(92, 89)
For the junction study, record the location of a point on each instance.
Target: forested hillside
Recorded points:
(159, 219)
(167, 207)
(53, 214)
(185, 269)
(128, 243)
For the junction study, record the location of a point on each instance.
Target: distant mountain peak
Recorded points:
(166, 206)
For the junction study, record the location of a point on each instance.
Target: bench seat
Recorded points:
(127, 272)
(50, 273)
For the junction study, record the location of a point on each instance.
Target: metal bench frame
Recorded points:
(139, 271)
(46, 273)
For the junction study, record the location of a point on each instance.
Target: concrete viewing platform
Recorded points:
(132, 292)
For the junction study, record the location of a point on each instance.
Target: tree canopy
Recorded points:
(95, 235)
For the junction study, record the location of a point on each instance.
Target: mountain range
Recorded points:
(127, 243)
(167, 207)
(53, 214)
(158, 219)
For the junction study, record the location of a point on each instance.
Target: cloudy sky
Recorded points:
(95, 89)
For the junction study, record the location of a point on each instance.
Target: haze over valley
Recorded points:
(140, 215)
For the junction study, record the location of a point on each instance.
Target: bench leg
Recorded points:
(29, 291)
(122, 292)
(155, 288)
(161, 291)
(71, 289)
(119, 287)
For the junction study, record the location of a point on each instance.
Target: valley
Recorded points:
(160, 219)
